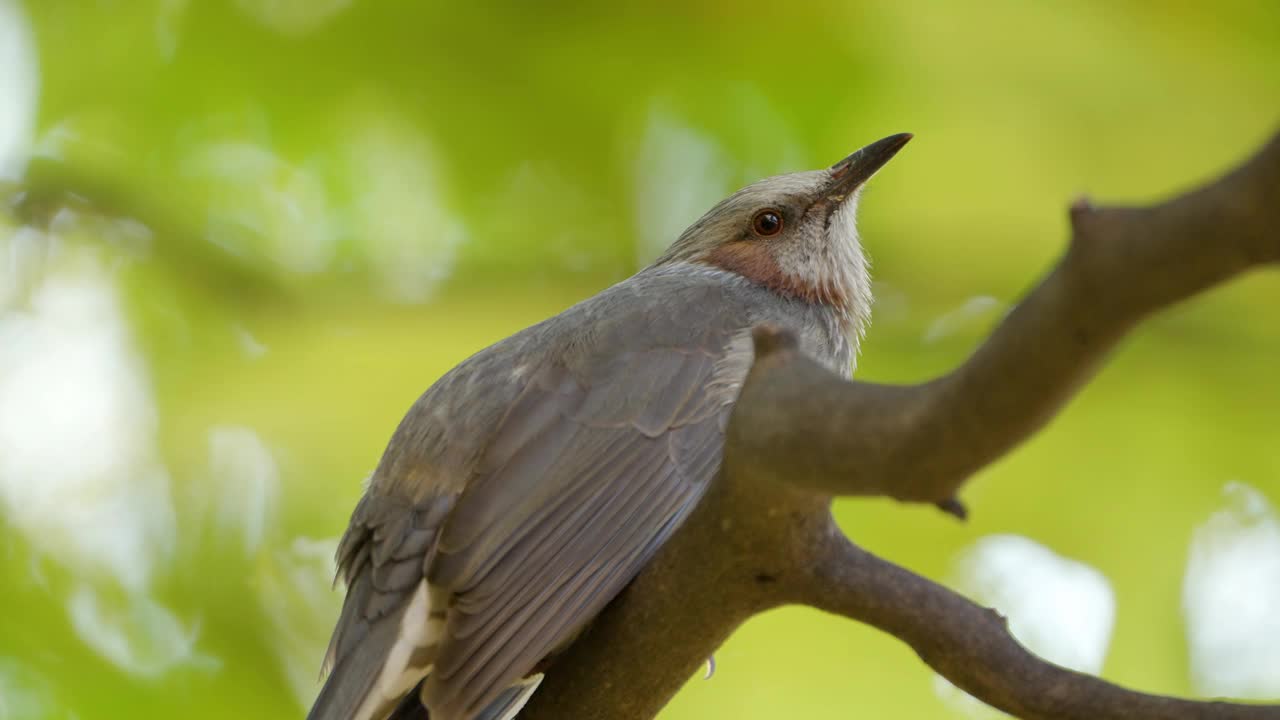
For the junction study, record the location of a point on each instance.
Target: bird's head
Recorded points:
(795, 234)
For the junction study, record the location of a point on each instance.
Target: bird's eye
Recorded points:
(766, 223)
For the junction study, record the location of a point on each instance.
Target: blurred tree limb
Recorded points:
(50, 186)
(764, 536)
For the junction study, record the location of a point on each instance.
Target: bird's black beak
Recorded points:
(851, 172)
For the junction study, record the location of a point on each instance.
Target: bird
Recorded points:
(532, 482)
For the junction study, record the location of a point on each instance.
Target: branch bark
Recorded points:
(800, 435)
(921, 442)
(971, 646)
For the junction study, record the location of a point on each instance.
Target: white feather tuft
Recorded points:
(399, 675)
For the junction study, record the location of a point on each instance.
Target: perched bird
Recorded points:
(532, 482)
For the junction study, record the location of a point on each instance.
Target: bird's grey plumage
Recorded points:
(531, 483)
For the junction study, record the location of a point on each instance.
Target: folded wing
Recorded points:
(584, 480)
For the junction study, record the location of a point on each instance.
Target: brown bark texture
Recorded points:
(800, 436)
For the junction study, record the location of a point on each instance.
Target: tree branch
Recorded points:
(763, 535)
(740, 552)
(797, 423)
(971, 646)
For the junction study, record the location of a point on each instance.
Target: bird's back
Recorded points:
(528, 485)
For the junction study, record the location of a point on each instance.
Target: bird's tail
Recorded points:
(504, 707)
(411, 707)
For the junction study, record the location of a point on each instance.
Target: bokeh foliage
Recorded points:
(345, 198)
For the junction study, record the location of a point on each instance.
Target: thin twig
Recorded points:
(971, 646)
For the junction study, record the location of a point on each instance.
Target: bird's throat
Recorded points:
(754, 262)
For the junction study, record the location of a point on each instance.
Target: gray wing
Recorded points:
(525, 489)
(587, 475)
(381, 559)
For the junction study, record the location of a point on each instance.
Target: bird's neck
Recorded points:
(838, 284)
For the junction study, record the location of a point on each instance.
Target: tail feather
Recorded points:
(352, 680)
(411, 707)
(511, 701)
(505, 707)
(393, 654)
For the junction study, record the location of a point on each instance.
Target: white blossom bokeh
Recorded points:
(25, 694)
(260, 200)
(679, 173)
(292, 17)
(19, 90)
(1061, 609)
(245, 484)
(297, 593)
(408, 232)
(80, 474)
(1231, 598)
(972, 315)
(136, 633)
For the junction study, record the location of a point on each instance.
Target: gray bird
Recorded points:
(533, 481)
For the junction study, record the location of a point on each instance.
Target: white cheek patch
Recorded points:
(844, 224)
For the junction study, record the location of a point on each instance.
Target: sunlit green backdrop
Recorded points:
(306, 211)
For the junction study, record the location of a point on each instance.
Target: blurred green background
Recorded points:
(241, 236)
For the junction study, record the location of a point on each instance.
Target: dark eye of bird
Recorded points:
(766, 223)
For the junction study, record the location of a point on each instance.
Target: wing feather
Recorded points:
(514, 522)
(582, 594)
(566, 507)
(382, 558)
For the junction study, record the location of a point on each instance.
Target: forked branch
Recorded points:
(795, 423)
(763, 535)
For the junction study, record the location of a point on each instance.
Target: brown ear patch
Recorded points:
(753, 261)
